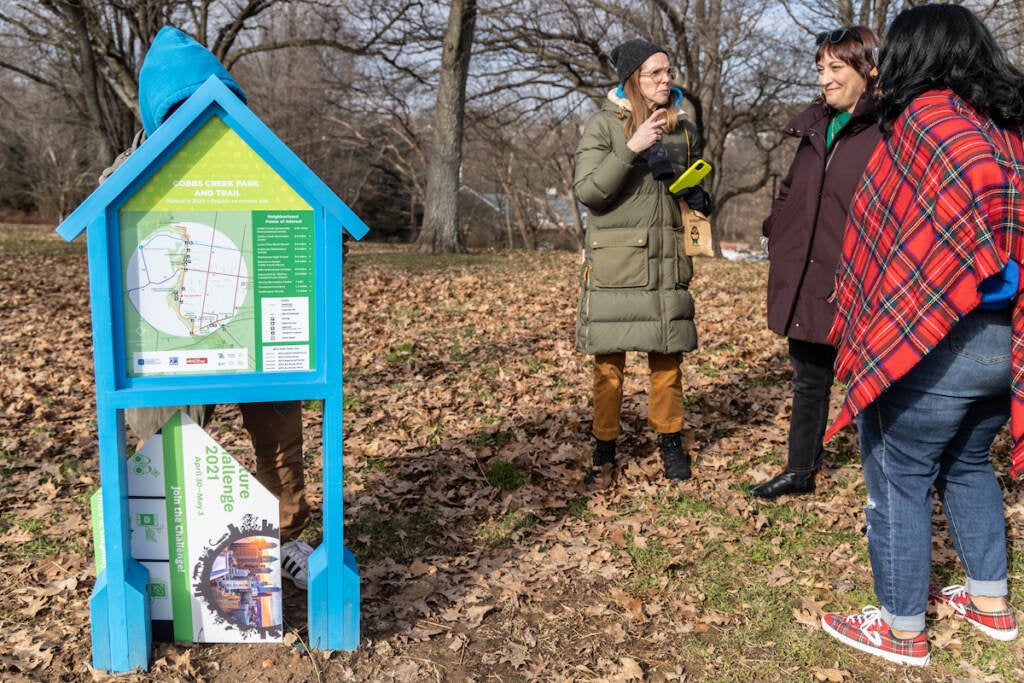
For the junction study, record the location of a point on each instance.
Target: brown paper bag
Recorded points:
(696, 232)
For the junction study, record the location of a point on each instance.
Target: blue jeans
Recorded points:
(934, 427)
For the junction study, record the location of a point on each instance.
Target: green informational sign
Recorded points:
(218, 263)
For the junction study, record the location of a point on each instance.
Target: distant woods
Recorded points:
(467, 114)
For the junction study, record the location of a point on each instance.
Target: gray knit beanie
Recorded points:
(630, 55)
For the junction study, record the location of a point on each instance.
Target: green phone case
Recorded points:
(691, 176)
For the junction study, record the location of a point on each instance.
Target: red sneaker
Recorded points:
(1001, 625)
(869, 633)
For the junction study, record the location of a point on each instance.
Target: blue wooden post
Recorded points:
(333, 598)
(120, 607)
(333, 577)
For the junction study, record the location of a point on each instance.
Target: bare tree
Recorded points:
(89, 53)
(440, 231)
(812, 16)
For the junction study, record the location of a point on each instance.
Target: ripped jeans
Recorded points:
(934, 426)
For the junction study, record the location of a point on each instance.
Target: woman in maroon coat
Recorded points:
(837, 134)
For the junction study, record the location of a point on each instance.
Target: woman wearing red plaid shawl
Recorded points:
(929, 328)
(837, 134)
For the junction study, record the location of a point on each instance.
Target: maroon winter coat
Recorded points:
(805, 228)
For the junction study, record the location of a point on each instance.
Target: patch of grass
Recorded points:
(433, 432)
(580, 509)
(845, 447)
(83, 497)
(41, 545)
(1015, 560)
(401, 353)
(315, 405)
(765, 382)
(650, 561)
(406, 312)
(32, 526)
(401, 535)
(313, 533)
(708, 370)
(996, 661)
(491, 439)
(533, 365)
(505, 475)
(69, 468)
(351, 402)
(684, 505)
(563, 381)
(502, 531)
(372, 464)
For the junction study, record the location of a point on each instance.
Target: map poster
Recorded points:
(218, 265)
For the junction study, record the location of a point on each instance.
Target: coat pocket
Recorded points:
(684, 263)
(619, 257)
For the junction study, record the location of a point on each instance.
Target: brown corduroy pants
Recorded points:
(664, 400)
(276, 432)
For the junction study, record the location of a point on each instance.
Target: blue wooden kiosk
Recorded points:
(214, 164)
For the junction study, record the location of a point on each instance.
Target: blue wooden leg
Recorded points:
(333, 601)
(121, 628)
(333, 598)
(119, 607)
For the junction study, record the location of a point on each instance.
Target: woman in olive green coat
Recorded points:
(636, 275)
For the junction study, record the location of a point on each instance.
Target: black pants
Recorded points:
(812, 381)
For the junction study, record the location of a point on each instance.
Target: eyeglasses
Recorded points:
(837, 36)
(660, 74)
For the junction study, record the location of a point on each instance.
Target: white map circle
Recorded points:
(187, 279)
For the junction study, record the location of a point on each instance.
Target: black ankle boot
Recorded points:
(676, 461)
(787, 483)
(604, 460)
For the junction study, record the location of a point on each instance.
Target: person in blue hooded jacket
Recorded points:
(174, 68)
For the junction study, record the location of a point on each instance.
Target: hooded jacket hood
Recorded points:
(174, 68)
(617, 96)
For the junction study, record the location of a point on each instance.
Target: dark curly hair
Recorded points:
(940, 46)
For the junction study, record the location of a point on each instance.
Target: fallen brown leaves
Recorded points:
(481, 554)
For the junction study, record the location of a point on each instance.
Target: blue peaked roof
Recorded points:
(213, 98)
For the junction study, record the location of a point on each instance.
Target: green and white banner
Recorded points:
(209, 534)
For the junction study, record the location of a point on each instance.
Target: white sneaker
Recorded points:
(295, 562)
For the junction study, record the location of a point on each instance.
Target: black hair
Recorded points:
(939, 46)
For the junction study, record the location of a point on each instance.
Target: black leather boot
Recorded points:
(675, 459)
(787, 483)
(604, 463)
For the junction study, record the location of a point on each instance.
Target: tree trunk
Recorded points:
(440, 231)
(90, 82)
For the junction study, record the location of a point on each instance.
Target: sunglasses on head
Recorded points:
(837, 36)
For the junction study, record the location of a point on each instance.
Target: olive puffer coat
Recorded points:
(635, 277)
(808, 219)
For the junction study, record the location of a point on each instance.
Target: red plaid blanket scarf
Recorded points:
(940, 208)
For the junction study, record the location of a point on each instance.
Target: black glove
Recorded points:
(657, 158)
(696, 198)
